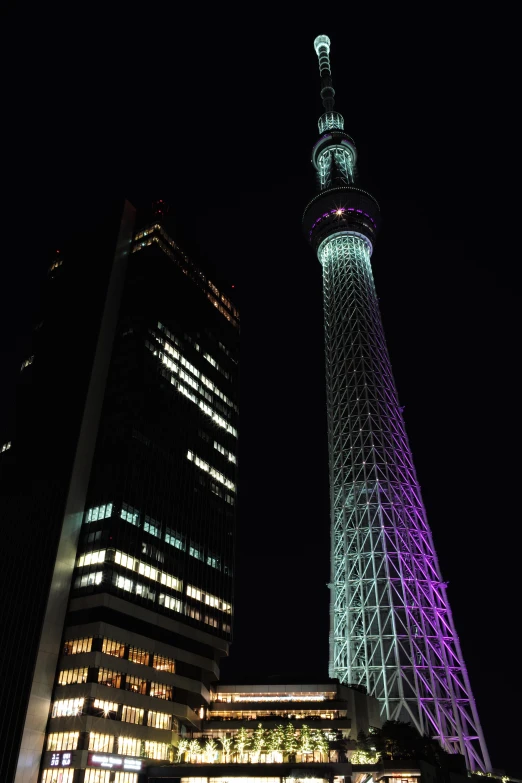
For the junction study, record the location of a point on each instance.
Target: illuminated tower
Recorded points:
(391, 627)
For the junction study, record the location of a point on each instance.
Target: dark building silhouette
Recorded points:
(118, 504)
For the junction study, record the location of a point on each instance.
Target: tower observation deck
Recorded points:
(391, 627)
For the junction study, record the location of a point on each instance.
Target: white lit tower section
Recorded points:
(391, 626)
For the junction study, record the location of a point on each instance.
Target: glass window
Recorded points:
(67, 676)
(57, 775)
(109, 678)
(126, 777)
(130, 514)
(156, 750)
(138, 656)
(135, 684)
(161, 691)
(160, 720)
(99, 512)
(91, 557)
(132, 714)
(101, 742)
(129, 746)
(105, 706)
(174, 539)
(170, 602)
(67, 708)
(152, 526)
(97, 775)
(112, 647)
(74, 646)
(63, 740)
(164, 664)
(94, 578)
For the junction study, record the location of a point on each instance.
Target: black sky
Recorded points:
(217, 113)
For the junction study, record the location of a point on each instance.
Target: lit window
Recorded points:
(57, 775)
(174, 539)
(126, 777)
(159, 720)
(207, 598)
(170, 602)
(63, 740)
(68, 676)
(171, 581)
(109, 678)
(226, 453)
(111, 647)
(91, 557)
(124, 560)
(94, 578)
(164, 664)
(67, 708)
(99, 512)
(211, 621)
(96, 775)
(101, 742)
(125, 584)
(157, 750)
(132, 715)
(130, 514)
(146, 570)
(212, 471)
(196, 553)
(161, 691)
(105, 706)
(138, 656)
(128, 746)
(5, 446)
(135, 684)
(152, 526)
(145, 591)
(74, 646)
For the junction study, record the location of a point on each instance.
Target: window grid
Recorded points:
(68, 676)
(63, 740)
(101, 742)
(164, 664)
(132, 714)
(109, 678)
(74, 646)
(67, 708)
(161, 691)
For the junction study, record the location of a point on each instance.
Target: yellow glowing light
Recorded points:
(339, 212)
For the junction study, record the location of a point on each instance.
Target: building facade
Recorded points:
(391, 623)
(136, 582)
(273, 732)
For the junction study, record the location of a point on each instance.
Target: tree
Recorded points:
(241, 741)
(181, 749)
(275, 739)
(258, 740)
(226, 744)
(211, 750)
(320, 743)
(305, 740)
(194, 749)
(290, 741)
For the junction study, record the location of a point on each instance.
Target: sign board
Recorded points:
(108, 761)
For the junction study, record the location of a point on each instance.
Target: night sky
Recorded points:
(218, 115)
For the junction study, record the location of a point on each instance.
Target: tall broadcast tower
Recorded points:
(391, 627)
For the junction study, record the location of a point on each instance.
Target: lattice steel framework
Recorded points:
(391, 624)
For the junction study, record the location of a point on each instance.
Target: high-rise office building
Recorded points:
(391, 624)
(119, 495)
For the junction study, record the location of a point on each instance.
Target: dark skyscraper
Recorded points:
(119, 495)
(391, 624)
